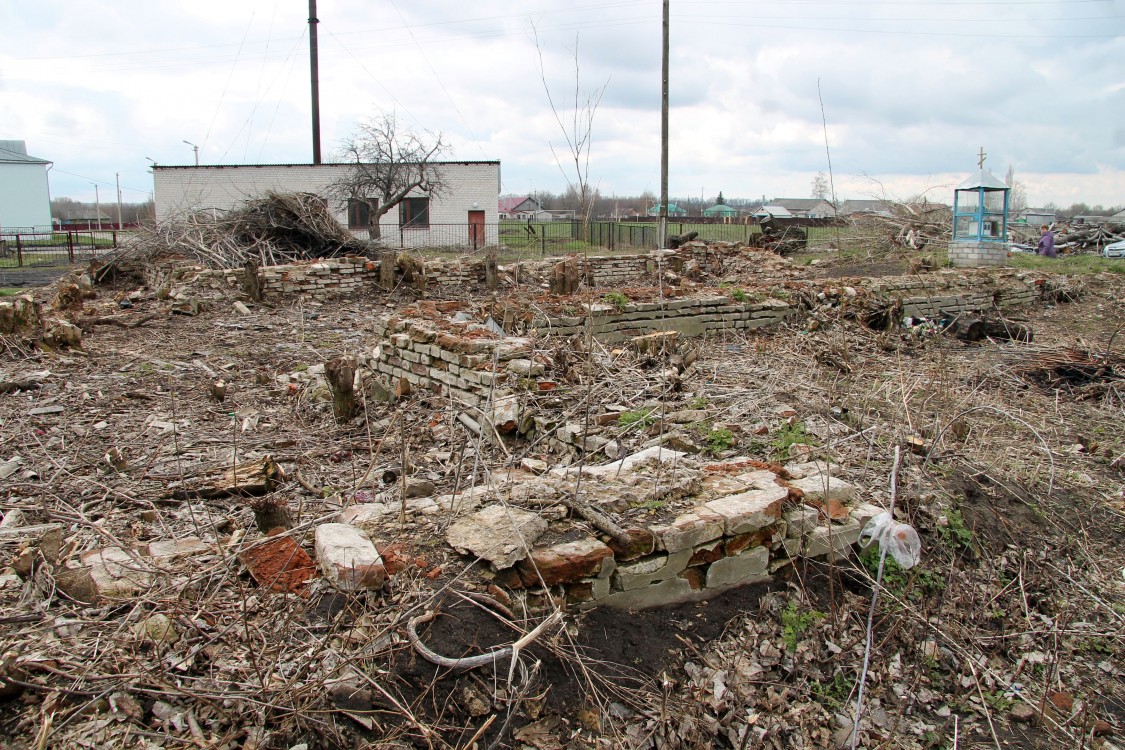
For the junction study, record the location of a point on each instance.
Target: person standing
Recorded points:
(1046, 243)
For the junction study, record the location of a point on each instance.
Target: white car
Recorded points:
(1115, 250)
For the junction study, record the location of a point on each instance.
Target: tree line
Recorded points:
(68, 209)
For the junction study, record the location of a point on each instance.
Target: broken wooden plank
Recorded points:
(246, 479)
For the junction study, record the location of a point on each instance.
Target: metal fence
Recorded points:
(548, 238)
(30, 249)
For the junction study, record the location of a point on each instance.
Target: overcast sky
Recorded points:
(911, 89)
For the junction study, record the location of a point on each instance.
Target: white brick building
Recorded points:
(464, 216)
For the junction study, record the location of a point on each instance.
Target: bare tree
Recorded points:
(577, 130)
(388, 163)
(1017, 201)
(820, 186)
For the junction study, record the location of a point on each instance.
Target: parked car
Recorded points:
(1114, 250)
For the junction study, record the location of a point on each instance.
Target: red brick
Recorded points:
(695, 577)
(280, 565)
(707, 555)
(563, 563)
(641, 542)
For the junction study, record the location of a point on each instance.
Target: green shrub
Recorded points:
(795, 623)
(720, 440)
(617, 299)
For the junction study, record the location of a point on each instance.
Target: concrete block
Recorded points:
(348, 558)
(800, 521)
(818, 489)
(650, 570)
(671, 591)
(749, 511)
(690, 530)
(750, 566)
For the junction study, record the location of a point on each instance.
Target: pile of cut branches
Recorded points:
(1084, 373)
(278, 228)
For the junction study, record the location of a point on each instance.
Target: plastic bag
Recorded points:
(901, 539)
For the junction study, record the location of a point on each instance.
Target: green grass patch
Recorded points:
(791, 434)
(9, 291)
(640, 417)
(1077, 265)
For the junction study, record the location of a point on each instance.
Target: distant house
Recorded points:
(1117, 218)
(25, 198)
(673, 210)
(857, 208)
(771, 211)
(519, 207)
(1036, 216)
(721, 211)
(806, 208)
(1089, 219)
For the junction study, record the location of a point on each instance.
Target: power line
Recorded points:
(100, 182)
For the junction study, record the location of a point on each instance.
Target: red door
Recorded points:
(476, 229)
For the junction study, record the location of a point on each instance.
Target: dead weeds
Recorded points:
(1007, 635)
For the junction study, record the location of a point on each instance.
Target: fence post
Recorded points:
(115, 238)
(70, 245)
(19, 251)
(543, 241)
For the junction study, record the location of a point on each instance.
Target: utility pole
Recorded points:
(664, 136)
(118, 199)
(97, 205)
(314, 73)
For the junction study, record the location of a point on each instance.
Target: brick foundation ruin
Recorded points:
(730, 523)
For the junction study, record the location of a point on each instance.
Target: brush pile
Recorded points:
(1089, 238)
(912, 225)
(276, 229)
(1082, 373)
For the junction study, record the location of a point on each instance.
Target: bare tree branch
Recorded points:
(388, 165)
(579, 134)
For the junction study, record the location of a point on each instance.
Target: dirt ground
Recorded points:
(1009, 634)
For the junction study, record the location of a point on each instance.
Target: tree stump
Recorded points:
(387, 269)
(251, 281)
(340, 374)
(271, 512)
(491, 273)
(565, 277)
(413, 271)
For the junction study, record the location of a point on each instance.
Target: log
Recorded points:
(246, 479)
(971, 329)
(1009, 330)
(121, 321)
(13, 386)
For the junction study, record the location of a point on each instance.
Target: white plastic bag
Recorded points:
(901, 539)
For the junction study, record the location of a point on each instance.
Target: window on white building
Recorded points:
(359, 212)
(414, 213)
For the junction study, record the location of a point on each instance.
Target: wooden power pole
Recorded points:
(314, 72)
(664, 137)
